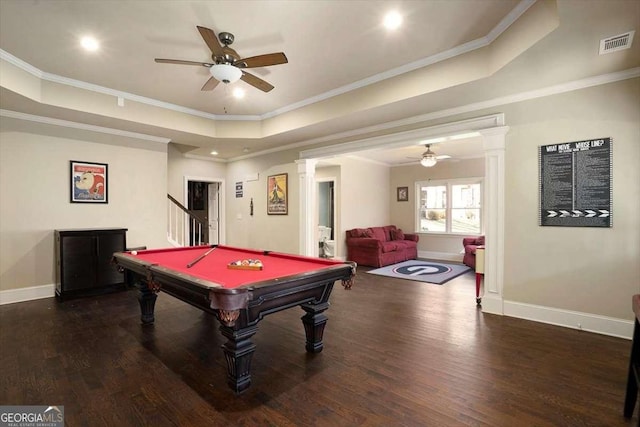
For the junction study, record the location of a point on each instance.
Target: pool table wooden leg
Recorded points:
(314, 322)
(147, 300)
(238, 351)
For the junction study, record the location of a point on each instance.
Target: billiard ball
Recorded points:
(134, 252)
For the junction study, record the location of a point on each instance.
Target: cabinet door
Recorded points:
(107, 244)
(77, 262)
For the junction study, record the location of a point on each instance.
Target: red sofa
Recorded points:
(470, 245)
(380, 246)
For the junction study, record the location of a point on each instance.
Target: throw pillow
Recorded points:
(397, 234)
(361, 232)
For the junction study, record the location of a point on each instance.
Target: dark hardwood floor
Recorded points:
(397, 353)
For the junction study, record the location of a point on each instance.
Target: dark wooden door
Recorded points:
(78, 262)
(199, 206)
(106, 245)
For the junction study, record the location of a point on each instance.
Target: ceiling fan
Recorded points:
(429, 158)
(227, 65)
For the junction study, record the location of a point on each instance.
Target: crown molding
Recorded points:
(511, 17)
(421, 63)
(496, 102)
(400, 139)
(469, 108)
(81, 126)
(456, 51)
(54, 78)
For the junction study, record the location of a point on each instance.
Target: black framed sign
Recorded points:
(575, 183)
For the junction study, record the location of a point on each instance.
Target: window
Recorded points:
(449, 206)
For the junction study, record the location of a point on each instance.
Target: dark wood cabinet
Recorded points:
(83, 260)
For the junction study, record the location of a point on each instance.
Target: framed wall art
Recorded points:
(277, 194)
(575, 185)
(89, 182)
(403, 194)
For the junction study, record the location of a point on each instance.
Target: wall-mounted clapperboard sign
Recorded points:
(575, 183)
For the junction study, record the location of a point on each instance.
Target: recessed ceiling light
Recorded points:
(89, 43)
(392, 20)
(214, 153)
(238, 93)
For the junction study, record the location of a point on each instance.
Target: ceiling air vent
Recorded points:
(616, 43)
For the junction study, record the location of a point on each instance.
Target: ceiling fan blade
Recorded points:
(262, 60)
(210, 84)
(211, 40)
(181, 62)
(256, 82)
(443, 157)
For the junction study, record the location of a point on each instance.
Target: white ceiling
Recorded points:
(329, 44)
(334, 47)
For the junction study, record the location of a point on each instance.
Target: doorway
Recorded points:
(326, 218)
(205, 199)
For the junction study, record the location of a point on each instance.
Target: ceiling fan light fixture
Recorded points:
(429, 158)
(225, 73)
(428, 161)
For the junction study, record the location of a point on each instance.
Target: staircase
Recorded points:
(184, 227)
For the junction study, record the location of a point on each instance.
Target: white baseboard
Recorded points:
(492, 305)
(570, 319)
(443, 256)
(11, 296)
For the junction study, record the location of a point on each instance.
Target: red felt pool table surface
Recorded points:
(213, 267)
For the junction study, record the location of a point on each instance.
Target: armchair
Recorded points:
(470, 245)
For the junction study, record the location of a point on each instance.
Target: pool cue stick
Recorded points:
(192, 263)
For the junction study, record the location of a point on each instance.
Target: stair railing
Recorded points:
(184, 227)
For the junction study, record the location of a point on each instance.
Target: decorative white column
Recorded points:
(306, 174)
(494, 143)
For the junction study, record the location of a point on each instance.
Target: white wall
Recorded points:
(363, 194)
(593, 270)
(261, 231)
(35, 196)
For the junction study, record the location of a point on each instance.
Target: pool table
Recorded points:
(238, 296)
